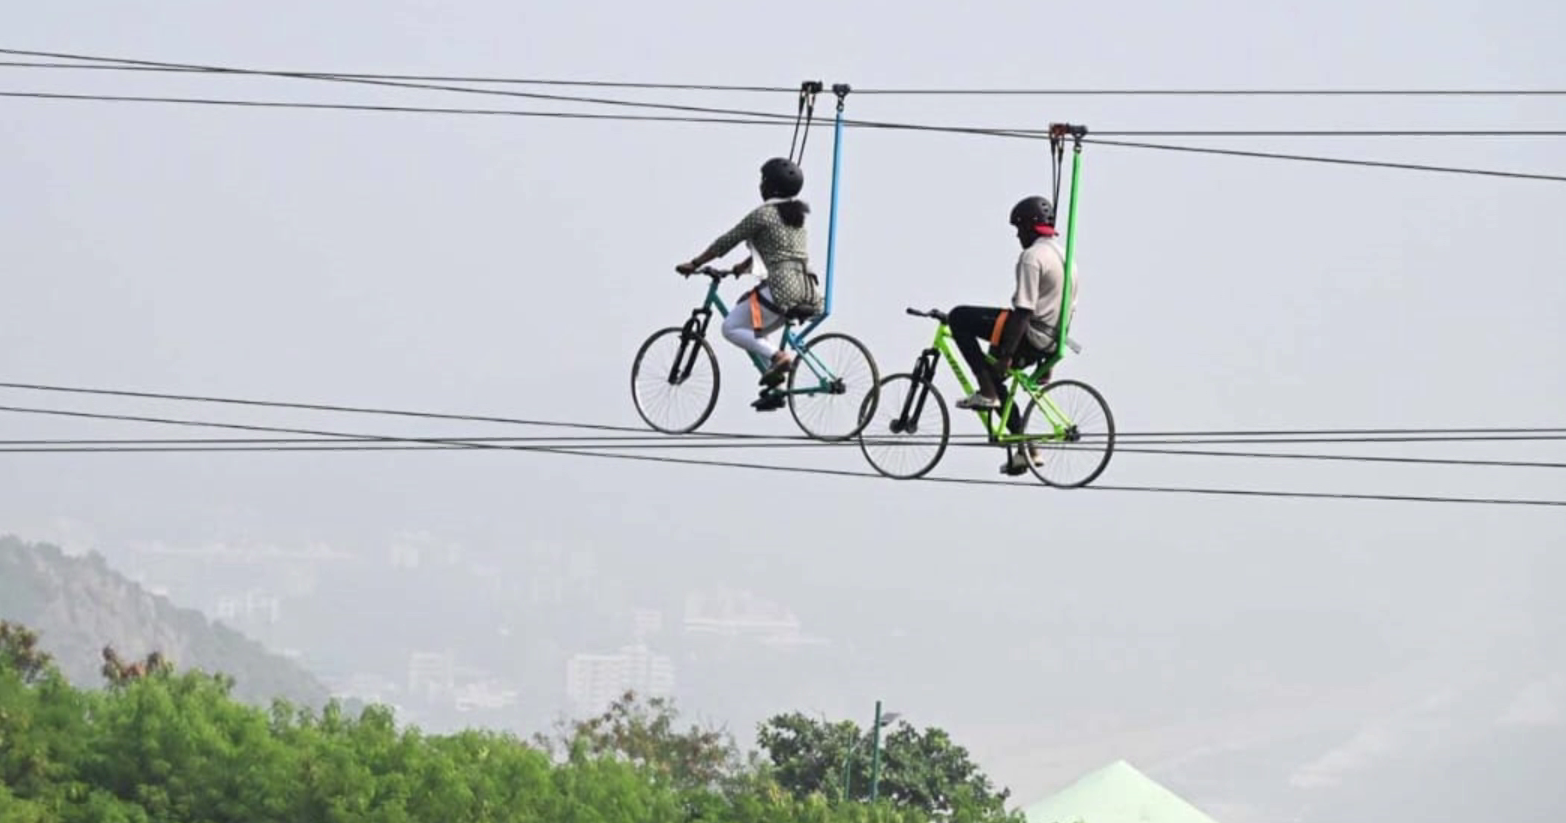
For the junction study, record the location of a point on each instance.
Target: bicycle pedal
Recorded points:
(771, 402)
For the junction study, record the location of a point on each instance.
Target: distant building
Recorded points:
(646, 623)
(431, 674)
(738, 613)
(488, 694)
(251, 607)
(593, 681)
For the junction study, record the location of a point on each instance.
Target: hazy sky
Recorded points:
(511, 266)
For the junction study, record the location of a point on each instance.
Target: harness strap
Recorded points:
(755, 310)
(806, 115)
(998, 332)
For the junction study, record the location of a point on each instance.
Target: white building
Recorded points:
(593, 681)
(431, 674)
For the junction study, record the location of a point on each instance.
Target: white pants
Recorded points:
(739, 327)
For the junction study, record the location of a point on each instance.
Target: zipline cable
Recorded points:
(912, 92)
(753, 119)
(1435, 434)
(801, 469)
(114, 446)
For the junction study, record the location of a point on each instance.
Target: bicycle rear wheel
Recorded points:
(1075, 431)
(674, 381)
(905, 435)
(832, 386)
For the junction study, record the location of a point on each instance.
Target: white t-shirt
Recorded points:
(1041, 272)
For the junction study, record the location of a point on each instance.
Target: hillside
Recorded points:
(79, 604)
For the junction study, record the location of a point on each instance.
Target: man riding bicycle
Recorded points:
(1023, 333)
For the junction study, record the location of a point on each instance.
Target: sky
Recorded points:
(511, 266)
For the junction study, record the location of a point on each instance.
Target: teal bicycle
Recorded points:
(1069, 419)
(675, 377)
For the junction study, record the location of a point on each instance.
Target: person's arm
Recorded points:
(1023, 299)
(742, 231)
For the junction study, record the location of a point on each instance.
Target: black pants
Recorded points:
(970, 325)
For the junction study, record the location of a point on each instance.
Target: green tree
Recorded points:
(19, 652)
(646, 734)
(920, 770)
(165, 746)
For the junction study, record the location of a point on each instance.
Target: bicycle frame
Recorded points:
(696, 328)
(994, 421)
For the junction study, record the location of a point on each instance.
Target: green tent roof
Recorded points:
(1117, 793)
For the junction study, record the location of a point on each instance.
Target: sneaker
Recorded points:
(768, 401)
(777, 373)
(1018, 464)
(977, 400)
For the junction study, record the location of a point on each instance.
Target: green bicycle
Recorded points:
(1069, 418)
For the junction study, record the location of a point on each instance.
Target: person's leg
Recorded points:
(1025, 357)
(970, 325)
(748, 325)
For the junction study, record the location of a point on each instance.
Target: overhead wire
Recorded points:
(891, 91)
(756, 121)
(1390, 434)
(431, 78)
(576, 451)
(1032, 134)
(128, 445)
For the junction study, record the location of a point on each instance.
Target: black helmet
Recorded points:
(1031, 212)
(781, 178)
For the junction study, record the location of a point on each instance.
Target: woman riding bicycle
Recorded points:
(775, 231)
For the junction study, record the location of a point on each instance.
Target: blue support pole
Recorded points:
(841, 90)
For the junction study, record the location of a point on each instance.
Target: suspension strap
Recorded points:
(806, 114)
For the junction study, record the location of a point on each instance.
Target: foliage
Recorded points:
(646, 735)
(923, 770)
(160, 745)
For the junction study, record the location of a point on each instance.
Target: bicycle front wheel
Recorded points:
(674, 381)
(906, 432)
(1072, 432)
(832, 386)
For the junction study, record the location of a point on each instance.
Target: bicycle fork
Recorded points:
(691, 335)
(913, 404)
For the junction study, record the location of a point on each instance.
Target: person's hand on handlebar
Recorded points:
(687, 268)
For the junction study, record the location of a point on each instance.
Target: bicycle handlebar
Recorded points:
(717, 274)
(933, 313)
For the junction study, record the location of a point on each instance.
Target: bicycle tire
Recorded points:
(1109, 438)
(796, 400)
(894, 401)
(704, 352)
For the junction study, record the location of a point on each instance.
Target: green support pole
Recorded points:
(875, 753)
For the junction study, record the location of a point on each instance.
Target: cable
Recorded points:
(1394, 435)
(751, 119)
(1333, 133)
(1193, 92)
(1200, 92)
(435, 78)
(334, 78)
(799, 469)
(316, 444)
(211, 101)
(1344, 161)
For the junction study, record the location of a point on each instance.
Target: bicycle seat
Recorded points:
(800, 314)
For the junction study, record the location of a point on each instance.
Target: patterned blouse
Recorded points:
(782, 249)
